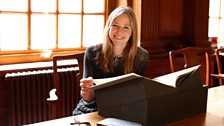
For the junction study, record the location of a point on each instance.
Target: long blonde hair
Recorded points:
(129, 52)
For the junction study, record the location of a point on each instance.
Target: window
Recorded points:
(216, 19)
(32, 25)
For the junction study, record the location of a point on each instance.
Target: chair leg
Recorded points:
(220, 81)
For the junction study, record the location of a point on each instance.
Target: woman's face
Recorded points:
(120, 30)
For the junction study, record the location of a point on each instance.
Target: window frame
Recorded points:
(216, 16)
(17, 56)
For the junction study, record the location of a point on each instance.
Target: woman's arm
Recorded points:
(87, 103)
(87, 93)
(88, 66)
(141, 61)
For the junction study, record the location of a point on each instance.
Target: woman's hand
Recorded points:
(87, 91)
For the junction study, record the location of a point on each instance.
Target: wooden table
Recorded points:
(213, 117)
(93, 118)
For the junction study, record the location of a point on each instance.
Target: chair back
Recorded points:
(78, 56)
(192, 56)
(56, 107)
(218, 54)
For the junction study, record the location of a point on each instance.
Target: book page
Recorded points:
(172, 78)
(100, 83)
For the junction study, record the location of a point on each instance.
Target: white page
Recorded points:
(170, 79)
(117, 122)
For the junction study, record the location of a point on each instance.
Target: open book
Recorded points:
(171, 79)
(175, 78)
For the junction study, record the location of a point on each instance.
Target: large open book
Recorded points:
(140, 99)
(172, 79)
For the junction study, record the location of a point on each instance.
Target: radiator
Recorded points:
(28, 92)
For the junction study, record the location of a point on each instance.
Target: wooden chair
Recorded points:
(220, 75)
(57, 110)
(191, 56)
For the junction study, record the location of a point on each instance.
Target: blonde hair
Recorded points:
(129, 52)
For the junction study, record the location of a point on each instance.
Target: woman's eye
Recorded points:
(114, 25)
(126, 27)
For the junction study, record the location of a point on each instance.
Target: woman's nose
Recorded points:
(119, 30)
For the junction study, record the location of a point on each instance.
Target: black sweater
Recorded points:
(91, 68)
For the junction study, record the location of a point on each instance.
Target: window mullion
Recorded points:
(29, 25)
(57, 13)
(82, 14)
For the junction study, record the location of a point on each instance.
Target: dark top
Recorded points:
(91, 68)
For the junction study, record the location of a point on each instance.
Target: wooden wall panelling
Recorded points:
(149, 21)
(157, 68)
(201, 23)
(189, 14)
(173, 24)
(171, 18)
(161, 25)
(150, 27)
(112, 4)
(196, 23)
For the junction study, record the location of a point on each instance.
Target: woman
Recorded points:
(118, 54)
